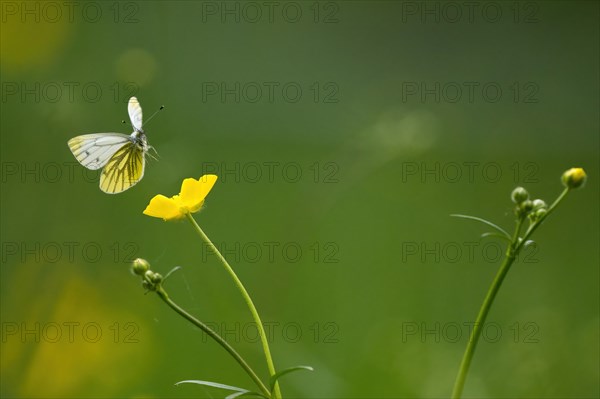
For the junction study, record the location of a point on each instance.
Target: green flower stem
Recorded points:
(512, 252)
(240, 286)
(476, 332)
(165, 297)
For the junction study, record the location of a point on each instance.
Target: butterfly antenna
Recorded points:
(154, 114)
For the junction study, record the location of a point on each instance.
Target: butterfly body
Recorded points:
(138, 137)
(121, 156)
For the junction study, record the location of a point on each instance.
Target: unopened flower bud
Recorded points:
(540, 213)
(539, 204)
(140, 266)
(574, 178)
(156, 278)
(524, 208)
(519, 195)
(527, 206)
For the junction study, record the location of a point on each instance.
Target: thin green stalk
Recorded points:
(165, 297)
(512, 252)
(483, 312)
(242, 289)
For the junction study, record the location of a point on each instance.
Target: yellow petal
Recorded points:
(193, 192)
(163, 207)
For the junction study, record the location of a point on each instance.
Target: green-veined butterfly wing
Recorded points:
(135, 113)
(94, 150)
(123, 170)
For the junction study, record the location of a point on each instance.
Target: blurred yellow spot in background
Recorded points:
(136, 65)
(32, 33)
(71, 340)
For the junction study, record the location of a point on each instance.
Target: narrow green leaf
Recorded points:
(238, 392)
(245, 394)
(234, 395)
(283, 372)
(493, 234)
(176, 268)
(498, 228)
(249, 395)
(213, 384)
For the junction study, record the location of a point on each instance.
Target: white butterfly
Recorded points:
(121, 156)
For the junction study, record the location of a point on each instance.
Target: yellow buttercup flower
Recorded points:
(190, 199)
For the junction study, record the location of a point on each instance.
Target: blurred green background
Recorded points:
(384, 118)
